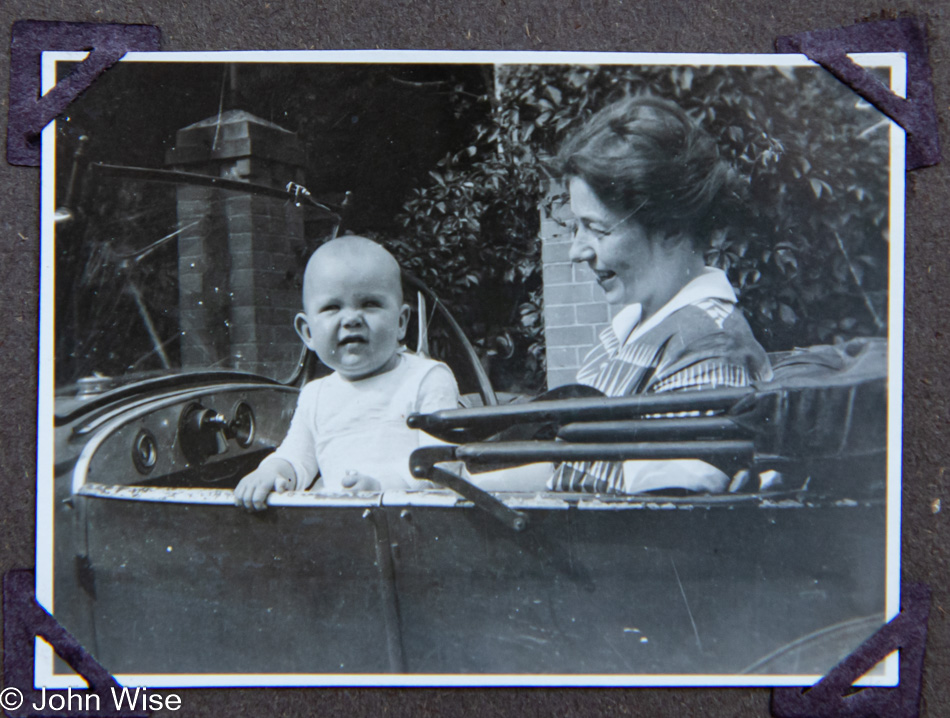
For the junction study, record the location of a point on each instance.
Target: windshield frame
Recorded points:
(72, 221)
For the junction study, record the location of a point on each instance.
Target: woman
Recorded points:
(646, 183)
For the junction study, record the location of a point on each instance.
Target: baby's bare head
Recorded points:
(354, 317)
(340, 260)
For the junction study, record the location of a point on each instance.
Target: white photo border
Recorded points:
(43, 669)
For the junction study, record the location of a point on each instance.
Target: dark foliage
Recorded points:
(806, 250)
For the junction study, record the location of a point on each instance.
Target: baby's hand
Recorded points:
(252, 491)
(355, 481)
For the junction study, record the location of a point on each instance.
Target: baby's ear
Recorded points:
(303, 329)
(404, 313)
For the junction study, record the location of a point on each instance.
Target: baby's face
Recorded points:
(353, 317)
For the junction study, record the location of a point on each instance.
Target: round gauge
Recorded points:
(243, 425)
(144, 451)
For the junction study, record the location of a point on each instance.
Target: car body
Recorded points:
(158, 574)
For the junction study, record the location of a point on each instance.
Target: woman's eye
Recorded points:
(593, 230)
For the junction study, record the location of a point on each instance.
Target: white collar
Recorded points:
(712, 283)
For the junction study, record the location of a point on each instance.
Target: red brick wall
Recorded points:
(264, 267)
(239, 255)
(203, 283)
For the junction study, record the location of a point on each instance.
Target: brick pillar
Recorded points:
(239, 255)
(574, 308)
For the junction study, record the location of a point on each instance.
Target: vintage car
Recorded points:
(169, 389)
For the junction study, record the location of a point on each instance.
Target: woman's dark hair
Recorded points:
(647, 152)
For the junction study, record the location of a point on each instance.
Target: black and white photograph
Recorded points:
(444, 368)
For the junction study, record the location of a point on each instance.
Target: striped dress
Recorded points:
(701, 341)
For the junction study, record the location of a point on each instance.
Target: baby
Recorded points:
(350, 426)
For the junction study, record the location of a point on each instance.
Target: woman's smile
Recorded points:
(603, 275)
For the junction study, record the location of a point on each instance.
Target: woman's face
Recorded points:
(617, 250)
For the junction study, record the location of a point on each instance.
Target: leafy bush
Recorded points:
(807, 252)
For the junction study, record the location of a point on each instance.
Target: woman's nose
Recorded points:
(581, 249)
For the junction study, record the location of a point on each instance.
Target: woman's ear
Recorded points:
(302, 326)
(404, 313)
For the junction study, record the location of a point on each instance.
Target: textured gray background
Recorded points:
(614, 25)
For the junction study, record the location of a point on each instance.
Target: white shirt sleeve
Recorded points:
(692, 474)
(299, 447)
(438, 390)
